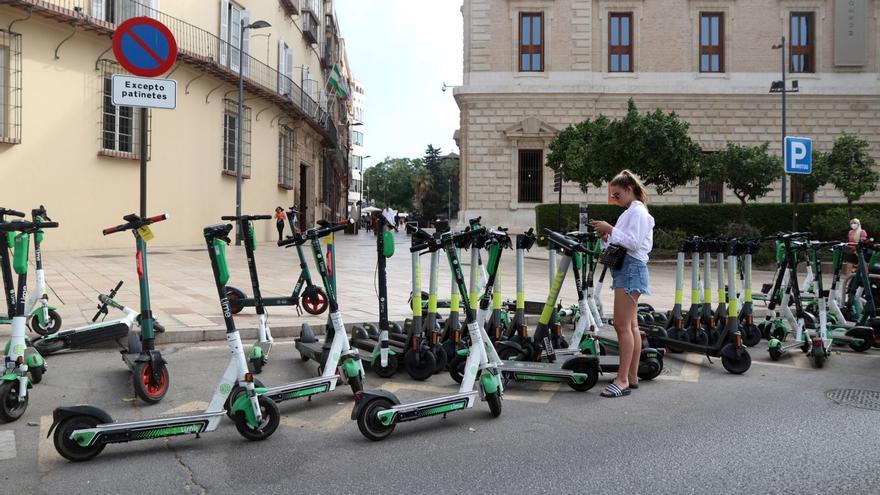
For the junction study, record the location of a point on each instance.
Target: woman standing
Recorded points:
(279, 222)
(635, 232)
(856, 235)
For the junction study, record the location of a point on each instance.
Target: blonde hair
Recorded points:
(628, 179)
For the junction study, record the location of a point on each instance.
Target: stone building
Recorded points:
(533, 67)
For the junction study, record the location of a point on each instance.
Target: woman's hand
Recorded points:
(603, 228)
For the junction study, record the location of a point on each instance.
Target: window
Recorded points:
(120, 132)
(116, 11)
(328, 184)
(803, 42)
(285, 68)
(10, 87)
(358, 138)
(232, 18)
(285, 157)
(711, 192)
(230, 138)
(711, 42)
(357, 162)
(531, 42)
(531, 177)
(355, 186)
(620, 42)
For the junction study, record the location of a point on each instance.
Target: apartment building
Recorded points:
(356, 188)
(533, 67)
(65, 145)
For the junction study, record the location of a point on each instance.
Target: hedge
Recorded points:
(715, 219)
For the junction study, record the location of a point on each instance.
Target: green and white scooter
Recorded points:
(42, 318)
(7, 240)
(82, 432)
(335, 357)
(378, 412)
(15, 382)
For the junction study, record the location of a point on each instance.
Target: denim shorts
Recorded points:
(632, 276)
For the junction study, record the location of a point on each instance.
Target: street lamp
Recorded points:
(239, 155)
(364, 185)
(779, 87)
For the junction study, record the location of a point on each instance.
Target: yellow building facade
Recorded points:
(64, 145)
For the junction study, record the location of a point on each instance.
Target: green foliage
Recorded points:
(393, 182)
(747, 170)
(851, 168)
(713, 219)
(668, 239)
(655, 145)
(820, 176)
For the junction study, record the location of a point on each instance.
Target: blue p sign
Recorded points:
(798, 155)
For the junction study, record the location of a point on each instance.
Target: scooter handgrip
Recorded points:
(113, 230)
(14, 213)
(290, 241)
(229, 218)
(260, 217)
(157, 218)
(46, 225)
(341, 226)
(419, 247)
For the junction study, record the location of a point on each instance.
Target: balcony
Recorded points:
(310, 28)
(290, 7)
(198, 48)
(327, 59)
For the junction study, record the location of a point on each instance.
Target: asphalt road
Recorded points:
(696, 429)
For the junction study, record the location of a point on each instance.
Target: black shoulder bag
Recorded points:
(613, 256)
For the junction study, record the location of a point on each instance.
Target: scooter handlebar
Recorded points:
(14, 213)
(294, 240)
(135, 222)
(26, 226)
(235, 218)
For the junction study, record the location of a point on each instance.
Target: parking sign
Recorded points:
(798, 155)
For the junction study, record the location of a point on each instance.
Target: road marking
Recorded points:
(331, 423)
(188, 407)
(690, 371)
(7, 445)
(793, 363)
(47, 458)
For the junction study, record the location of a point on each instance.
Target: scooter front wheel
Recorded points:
(149, 390)
(10, 407)
(751, 335)
(234, 295)
(47, 347)
(420, 364)
(388, 370)
(37, 373)
(268, 425)
(368, 420)
(52, 325)
(738, 365)
(69, 448)
(494, 400)
(314, 301)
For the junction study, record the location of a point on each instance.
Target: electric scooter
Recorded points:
(335, 353)
(378, 352)
(734, 356)
(306, 295)
(259, 353)
(7, 240)
(378, 412)
(42, 318)
(82, 432)
(15, 382)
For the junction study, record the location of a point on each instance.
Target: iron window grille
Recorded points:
(285, 157)
(230, 139)
(711, 192)
(531, 177)
(120, 125)
(10, 87)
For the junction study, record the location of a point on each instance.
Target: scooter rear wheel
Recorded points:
(864, 333)
(314, 301)
(144, 386)
(234, 295)
(37, 373)
(10, 407)
(368, 420)
(456, 368)
(650, 368)
(52, 325)
(47, 347)
(70, 449)
(271, 419)
(592, 377)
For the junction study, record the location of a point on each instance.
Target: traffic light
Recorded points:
(557, 181)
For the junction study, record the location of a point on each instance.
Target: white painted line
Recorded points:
(7, 445)
(690, 370)
(331, 423)
(47, 458)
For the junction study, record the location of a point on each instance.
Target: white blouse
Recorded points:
(634, 231)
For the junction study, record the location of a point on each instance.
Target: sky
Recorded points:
(402, 51)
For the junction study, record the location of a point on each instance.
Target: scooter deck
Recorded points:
(160, 421)
(303, 388)
(432, 407)
(312, 350)
(530, 371)
(76, 338)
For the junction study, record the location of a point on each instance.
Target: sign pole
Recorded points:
(144, 117)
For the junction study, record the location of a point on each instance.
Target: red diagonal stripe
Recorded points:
(144, 45)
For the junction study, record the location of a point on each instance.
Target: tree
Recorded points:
(655, 145)
(429, 196)
(747, 170)
(819, 177)
(392, 182)
(851, 168)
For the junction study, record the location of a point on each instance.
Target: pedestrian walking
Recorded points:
(855, 235)
(279, 222)
(633, 232)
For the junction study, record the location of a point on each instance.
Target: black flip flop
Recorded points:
(613, 391)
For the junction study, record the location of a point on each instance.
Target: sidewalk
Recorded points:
(184, 296)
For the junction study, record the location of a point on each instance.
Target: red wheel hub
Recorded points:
(154, 389)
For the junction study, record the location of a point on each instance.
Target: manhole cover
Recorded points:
(862, 399)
